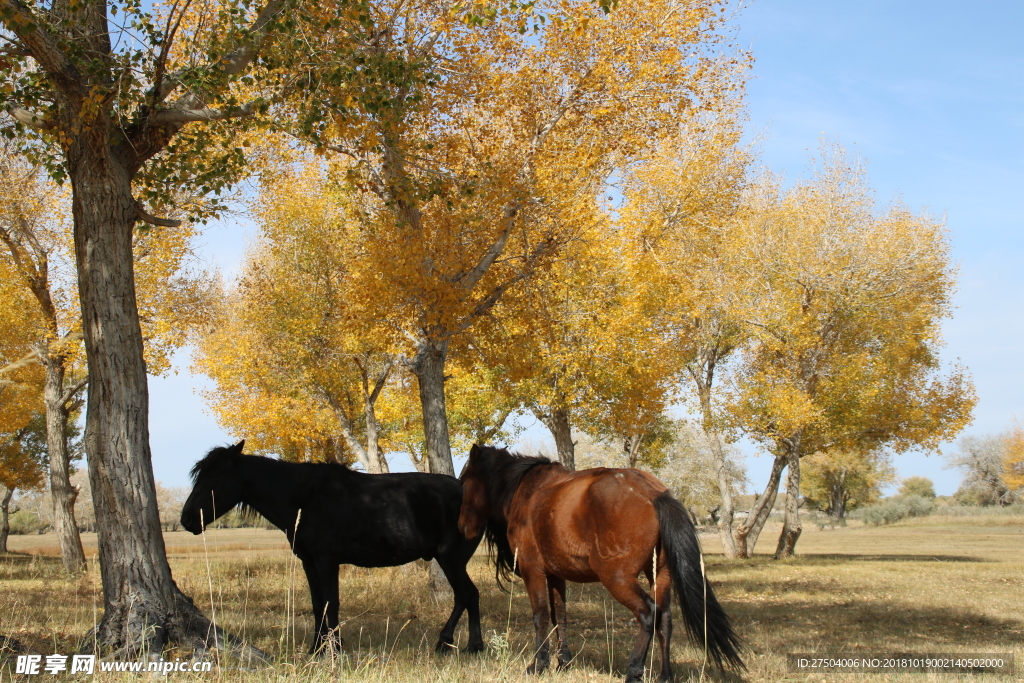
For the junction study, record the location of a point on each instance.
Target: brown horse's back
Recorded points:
(585, 525)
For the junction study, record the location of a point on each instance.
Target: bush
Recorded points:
(26, 522)
(894, 510)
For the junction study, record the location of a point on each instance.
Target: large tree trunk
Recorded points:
(727, 508)
(428, 366)
(748, 532)
(143, 608)
(61, 490)
(791, 528)
(557, 422)
(5, 519)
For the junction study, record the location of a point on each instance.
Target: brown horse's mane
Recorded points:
(502, 472)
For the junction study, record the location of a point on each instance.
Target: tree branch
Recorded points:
(147, 217)
(205, 114)
(28, 118)
(72, 390)
(26, 360)
(22, 22)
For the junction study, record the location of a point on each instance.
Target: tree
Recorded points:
(36, 233)
(1013, 458)
(981, 461)
(297, 335)
(678, 245)
(917, 486)
(838, 481)
(21, 467)
(477, 183)
(845, 309)
(111, 102)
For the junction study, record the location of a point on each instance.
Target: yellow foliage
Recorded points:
(1013, 457)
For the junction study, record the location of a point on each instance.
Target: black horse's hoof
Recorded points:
(445, 647)
(473, 648)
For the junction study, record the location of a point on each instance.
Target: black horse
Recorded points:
(333, 515)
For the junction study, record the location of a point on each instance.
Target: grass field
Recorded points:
(937, 585)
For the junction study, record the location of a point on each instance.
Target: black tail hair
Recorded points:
(679, 539)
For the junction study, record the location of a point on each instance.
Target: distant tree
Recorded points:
(21, 467)
(169, 500)
(1013, 458)
(980, 459)
(917, 486)
(838, 481)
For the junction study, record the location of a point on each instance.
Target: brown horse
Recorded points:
(550, 525)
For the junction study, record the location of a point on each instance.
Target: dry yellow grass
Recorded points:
(954, 586)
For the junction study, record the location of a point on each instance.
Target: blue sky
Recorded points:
(930, 94)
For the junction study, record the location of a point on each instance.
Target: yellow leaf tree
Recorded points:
(845, 308)
(476, 179)
(1013, 458)
(682, 256)
(839, 481)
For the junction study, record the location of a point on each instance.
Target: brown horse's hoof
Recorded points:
(537, 667)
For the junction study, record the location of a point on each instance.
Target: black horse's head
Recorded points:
(215, 487)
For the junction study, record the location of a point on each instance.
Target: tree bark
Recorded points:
(557, 422)
(428, 366)
(5, 519)
(748, 532)
(726, 510)
(62, 492)
(791, 528)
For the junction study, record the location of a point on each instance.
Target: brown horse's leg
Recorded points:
(627, 590)
(663, 596)
(556, 599)
(536, 588)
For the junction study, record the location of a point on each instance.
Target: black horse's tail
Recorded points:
(679, 539)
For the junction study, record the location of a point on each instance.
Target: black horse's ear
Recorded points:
(475, 450)
(237, 448)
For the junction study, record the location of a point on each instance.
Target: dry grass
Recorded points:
(943, 586)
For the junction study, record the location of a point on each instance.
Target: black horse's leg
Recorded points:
(556, 600)
(466, 597)
(327, 571)
(536, 587)
(317, 598)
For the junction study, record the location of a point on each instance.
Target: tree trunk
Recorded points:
(791, 528)
(428, 366)
(726, 509)
(61, 490)
(143, 608)
(747, 533)
(376, 462)
(631, 447)
(5, 520)
(837, 506)
(557, 422)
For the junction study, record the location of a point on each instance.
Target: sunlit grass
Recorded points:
(912, 587)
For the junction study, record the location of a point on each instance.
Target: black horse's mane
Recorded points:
(502, 473)
(224, 454)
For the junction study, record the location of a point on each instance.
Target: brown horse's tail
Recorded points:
(679, 538)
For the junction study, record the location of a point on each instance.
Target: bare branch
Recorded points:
(204, 114)
(70, 392)
(29, 118)
(147, 217)
(28, 359)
